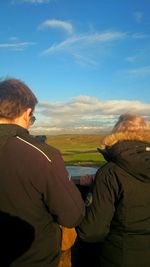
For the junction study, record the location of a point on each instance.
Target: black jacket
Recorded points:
(36, 197)
(118, 218)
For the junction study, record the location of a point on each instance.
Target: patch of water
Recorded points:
(77, 171)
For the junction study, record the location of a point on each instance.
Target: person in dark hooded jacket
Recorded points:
(117, 218)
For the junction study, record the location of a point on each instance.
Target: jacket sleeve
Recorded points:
(96, 223)
(61, 196)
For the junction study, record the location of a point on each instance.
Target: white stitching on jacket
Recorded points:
(35, 148)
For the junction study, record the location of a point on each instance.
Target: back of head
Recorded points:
(15, 98)
(128, 127)
(130, 122)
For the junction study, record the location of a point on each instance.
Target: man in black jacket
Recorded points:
(36, 196)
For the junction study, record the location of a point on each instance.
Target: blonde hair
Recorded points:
(131, 122)
(128, 127)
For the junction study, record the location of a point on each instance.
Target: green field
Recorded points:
(78, 149)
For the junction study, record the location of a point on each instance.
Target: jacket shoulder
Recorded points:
(44, 149)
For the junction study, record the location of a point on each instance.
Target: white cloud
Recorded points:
(13, 38)
(139, 35)
(139, 72)
(137, 56)
(16, 45)
(132, 59)
(54, 23)
(87, 49)
(32, 1)
(138, 16)
(78, 42)
(84, 114)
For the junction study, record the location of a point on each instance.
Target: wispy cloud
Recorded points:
(16, 45)
(138, 55)
(132, 59)
(138, 16)
(83, 40)
(139, 35)
(32, 1)
(139, 72)
(54, 23)
(84, 113)
(86, 48)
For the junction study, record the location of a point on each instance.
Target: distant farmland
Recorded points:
(78, 149)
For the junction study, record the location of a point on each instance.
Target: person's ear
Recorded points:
(28, 112)
(26, 117)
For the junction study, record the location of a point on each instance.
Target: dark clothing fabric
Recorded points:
(84, 254)
(34, 187)
(119, 217)
(16, 237)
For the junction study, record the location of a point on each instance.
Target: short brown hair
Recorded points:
(15, 98)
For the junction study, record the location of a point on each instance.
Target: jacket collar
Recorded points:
(11, 130)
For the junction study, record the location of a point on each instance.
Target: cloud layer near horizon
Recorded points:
(84, 114)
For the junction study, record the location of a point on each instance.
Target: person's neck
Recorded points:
(14, 121)
(23, 120)
(6, 121)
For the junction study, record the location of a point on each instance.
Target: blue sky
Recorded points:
(86, 61)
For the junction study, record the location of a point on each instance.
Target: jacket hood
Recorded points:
(130, 150)
(132, 156)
